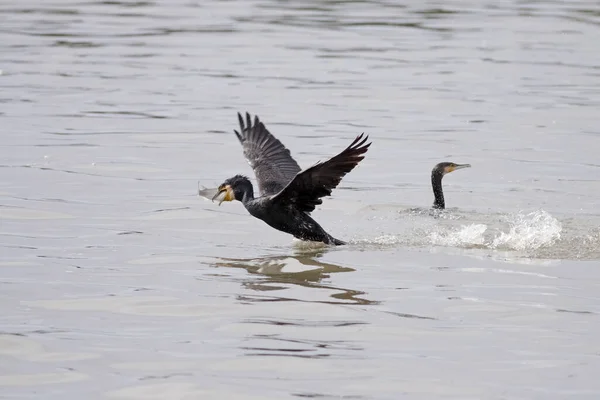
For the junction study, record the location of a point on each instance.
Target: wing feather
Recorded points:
(307, 187)
(271, 161)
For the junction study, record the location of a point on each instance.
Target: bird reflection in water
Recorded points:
(301, 269)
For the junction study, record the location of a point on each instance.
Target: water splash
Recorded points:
(529, 232)
(384, 240)
(526, 235)
(466, 236)
(534, 233)
(523, 232)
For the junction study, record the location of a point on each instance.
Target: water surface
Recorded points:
(119, 282)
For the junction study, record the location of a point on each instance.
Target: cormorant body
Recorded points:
(288, 194)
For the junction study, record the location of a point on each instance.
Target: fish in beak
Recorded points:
(207, 193)
(225, 193)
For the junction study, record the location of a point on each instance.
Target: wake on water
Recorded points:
(529, 231)
(534, 234)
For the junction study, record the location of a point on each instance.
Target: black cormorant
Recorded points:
(288, 195)
(437, 174)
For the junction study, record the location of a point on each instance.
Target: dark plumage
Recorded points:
(287, 194)
(437, 174)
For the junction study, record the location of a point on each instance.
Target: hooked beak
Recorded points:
(461, 166)
(225, 194)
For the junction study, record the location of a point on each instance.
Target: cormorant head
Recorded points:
(444, 168)
(437, 174)
(233, 189)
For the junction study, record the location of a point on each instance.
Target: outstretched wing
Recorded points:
(272, 163)
(307, 188)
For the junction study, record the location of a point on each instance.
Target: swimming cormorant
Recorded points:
(437, 174)
(288, 195)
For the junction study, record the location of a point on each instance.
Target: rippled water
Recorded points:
(118, 281)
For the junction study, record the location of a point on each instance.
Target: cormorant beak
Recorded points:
(457, 166)
(225, 194)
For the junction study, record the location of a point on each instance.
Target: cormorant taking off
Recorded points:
(437, 174)
(288, 195)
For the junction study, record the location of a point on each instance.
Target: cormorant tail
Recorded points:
(338, 242)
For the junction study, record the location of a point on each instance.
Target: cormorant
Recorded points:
(437, 174)
(288, 195)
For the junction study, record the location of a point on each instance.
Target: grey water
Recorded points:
(117, 281)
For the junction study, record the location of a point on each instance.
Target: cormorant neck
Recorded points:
(244, 191)
(248, 195)
(438, 193)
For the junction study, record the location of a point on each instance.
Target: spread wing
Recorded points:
(272, 163)
(307, 187)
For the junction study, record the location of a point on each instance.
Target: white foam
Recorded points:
(525, 231)
(385, 240)
(466, 235)
(529, 231)
(534, 234)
